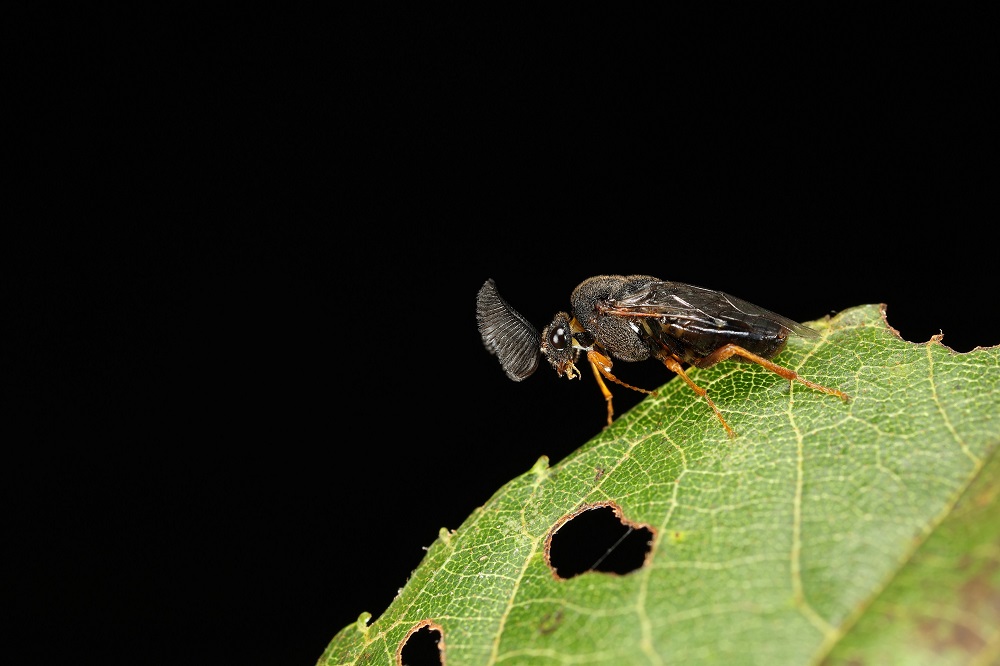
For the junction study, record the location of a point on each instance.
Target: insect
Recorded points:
(635, 318)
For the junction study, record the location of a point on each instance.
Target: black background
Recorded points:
(243, 340)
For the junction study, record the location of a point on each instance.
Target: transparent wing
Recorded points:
(707, 308)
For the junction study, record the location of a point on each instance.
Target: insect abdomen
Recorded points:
(692, 344)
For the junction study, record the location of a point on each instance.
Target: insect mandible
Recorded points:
(635, 318)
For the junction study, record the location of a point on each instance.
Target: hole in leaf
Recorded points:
(597, 538)
(422, 646)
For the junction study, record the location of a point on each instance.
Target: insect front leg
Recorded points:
(729, 350)
(601, 365)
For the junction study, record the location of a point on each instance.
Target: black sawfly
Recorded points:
(635, 318)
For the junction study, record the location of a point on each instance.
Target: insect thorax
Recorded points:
(621, 337)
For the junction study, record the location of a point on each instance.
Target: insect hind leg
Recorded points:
(729, 350)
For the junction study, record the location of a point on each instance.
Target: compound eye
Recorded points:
(559, 338)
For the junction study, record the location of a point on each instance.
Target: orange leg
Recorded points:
(601, 365)
(674, 366)
(727, 351)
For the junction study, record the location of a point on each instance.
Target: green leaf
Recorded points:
(825, 532)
